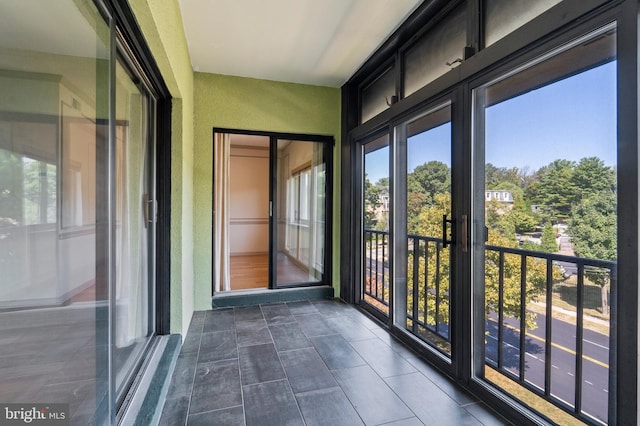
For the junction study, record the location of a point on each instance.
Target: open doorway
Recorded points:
(248, 211)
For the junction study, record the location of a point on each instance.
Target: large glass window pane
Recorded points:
(504, 16)
(301, 198)
(436, 51)
(54, 63)
(375, 233)
(549, 200)
(428, 200)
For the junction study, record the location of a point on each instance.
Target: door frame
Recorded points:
(328, 142)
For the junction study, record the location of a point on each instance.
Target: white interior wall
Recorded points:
(249, 194)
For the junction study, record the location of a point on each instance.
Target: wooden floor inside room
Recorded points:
(249, 271)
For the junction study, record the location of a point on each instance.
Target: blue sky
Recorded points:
(570, 119)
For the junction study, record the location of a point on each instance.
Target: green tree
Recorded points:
(591, 176)
(535, 282)
(11, 190)
(383, 182)
(498, 218)
(430, 222)
(502, 177)
(593, 229)
(554, 190)
(433, 264)
(371, 203)
(416, 200)
(434, 177)
(548, 240)
(523, 219)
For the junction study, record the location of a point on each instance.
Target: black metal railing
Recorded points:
(513, 335)
(428, 290)
(535, 331)
(376, 269)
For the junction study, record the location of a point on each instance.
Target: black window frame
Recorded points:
(561, 23)
(329, 144)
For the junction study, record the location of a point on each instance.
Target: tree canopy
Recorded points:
(581, 194)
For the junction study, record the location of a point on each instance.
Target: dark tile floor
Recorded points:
(307, 363)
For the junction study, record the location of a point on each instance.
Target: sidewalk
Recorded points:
(597, 324)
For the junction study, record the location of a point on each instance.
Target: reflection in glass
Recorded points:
(376, 97)
(301, 212)
(53, 304)
(134, 226)
(504, 16)
(436, 51)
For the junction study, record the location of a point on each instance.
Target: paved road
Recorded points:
(595, 371)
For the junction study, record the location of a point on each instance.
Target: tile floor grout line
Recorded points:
(235, 332)
(284, 370)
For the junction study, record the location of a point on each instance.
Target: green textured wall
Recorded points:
(252, 104)
(161, 24)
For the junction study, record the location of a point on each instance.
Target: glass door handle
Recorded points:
(149, 210)
(445, 240)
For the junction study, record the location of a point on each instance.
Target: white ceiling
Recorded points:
(319, 42)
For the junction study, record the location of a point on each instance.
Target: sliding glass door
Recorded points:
(134, 222)
(408, 230)
(77, 216)
(271, 215)
(300, 222)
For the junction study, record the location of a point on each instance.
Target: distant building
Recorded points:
(499, 195)
(382, 211)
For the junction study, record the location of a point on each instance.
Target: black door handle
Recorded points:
(445, 241)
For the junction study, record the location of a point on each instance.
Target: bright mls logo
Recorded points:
(35, 414)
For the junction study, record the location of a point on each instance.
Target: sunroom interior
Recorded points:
(340, 212)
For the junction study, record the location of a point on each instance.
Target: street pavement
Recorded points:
(595, 360)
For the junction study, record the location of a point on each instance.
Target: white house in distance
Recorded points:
(499, 195)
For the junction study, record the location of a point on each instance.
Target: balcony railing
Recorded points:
(428, 291)
(536, 336)
(572, 376)
(376, 269)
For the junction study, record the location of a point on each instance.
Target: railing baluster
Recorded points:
(384, 282)
(579, 337)
(370, 262)
(500, 308)
(377, 273)
(414, 301)
(548, 333)
(437, 316)
(426, 282)
(523, 313)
